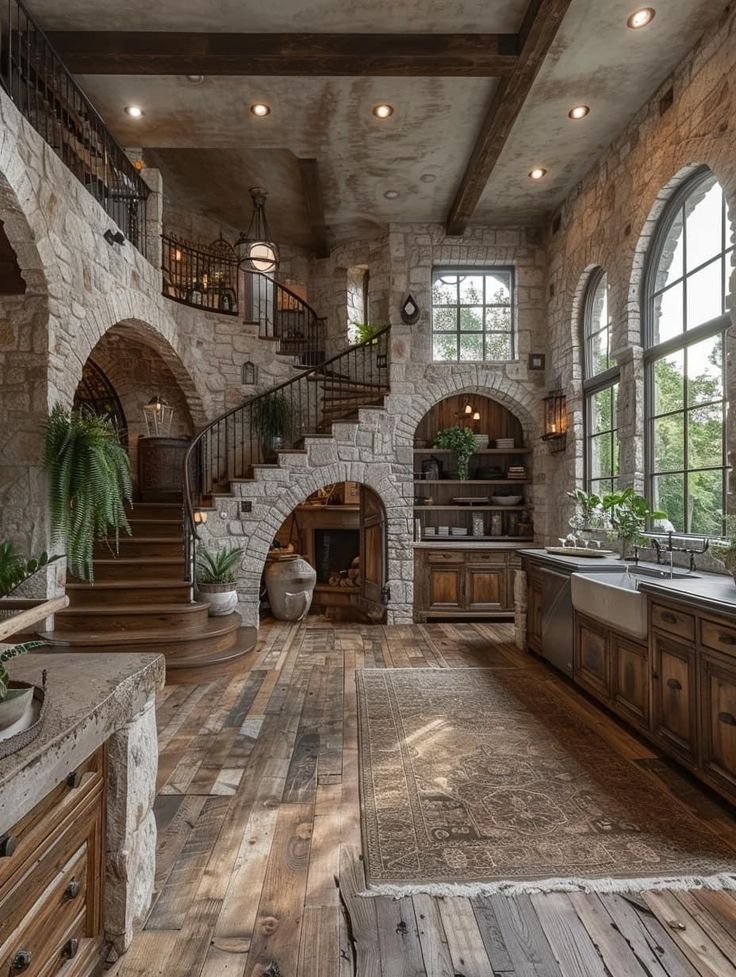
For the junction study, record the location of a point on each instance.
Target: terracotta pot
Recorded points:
(222, 597)
(290, 583)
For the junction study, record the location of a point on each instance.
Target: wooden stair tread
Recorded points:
(136, 609)
(155, 522)
(246, 641)
(136, 539)
(212, 627)
(145, 560)
(132, 582)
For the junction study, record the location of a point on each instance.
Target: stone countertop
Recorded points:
(573, 563)
(465, 543)
(710, 591)
(90, 697)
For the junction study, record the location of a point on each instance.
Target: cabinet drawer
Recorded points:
(672, 621)
(719, 637)
(445, 556)
(487, 559)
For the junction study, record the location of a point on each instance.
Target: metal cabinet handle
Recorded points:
(669, 617)
(21, 961)
(8, 844)
(72, 890)
(69, 949)
(673, 683)
(726, 639)
(73, 779)
(727, 717)
(655, 675)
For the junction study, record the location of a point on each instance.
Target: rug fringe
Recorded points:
(508, 888)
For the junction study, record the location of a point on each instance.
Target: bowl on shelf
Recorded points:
(507, 499)
(471, 500)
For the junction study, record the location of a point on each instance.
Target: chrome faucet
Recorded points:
(670, 549)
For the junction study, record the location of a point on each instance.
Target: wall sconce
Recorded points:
(476, 422)
(249, 374)
(114, 237)
(555, 420)
(200, 518)
(158, 416)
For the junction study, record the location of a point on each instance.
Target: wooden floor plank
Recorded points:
(467, 950)
(689, 935)
(570, 942)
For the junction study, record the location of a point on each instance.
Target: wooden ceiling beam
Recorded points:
(309, 169)
(186, 53)
(541, 24)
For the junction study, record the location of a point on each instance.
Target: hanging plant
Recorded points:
(461, 440)
(88, 482)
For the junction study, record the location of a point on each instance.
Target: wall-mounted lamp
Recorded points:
(200, 517)
(555, 420)
(476, 422)
(248, 374)
(114, 237)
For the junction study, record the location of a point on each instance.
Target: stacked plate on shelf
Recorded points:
(505, 444)
(517, 471)
(481, 442)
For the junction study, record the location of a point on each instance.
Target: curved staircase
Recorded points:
(141, 601)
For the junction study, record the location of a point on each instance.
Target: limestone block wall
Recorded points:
(608, 222)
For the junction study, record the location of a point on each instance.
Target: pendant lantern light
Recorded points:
(255, 249)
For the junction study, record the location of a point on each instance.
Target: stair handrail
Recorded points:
(190, 522)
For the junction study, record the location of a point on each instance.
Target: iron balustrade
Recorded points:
(199, 277)
(34, 76)
(280, 419)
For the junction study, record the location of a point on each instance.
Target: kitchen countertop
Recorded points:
(466, 543)
(573, 563)
(712, 591)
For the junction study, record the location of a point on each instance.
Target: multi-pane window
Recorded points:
(473, 314)
(685, 320)
(601, 390)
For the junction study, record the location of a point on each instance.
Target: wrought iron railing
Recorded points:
(34, 76)
(281, 418)
(209, 277)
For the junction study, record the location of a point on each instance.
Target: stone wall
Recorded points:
(608, 222)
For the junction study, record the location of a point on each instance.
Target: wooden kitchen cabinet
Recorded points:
(534, 610)
(718, 712)
(486, 588)
(674, 696)
(592, 659)
(445, 588)
(472, 583)
(629, 680)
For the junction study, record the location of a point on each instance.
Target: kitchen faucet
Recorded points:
(670, 549)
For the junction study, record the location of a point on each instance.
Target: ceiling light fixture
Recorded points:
(255, 249)
(260, 109)
(427, 177)
(640, 18)
(537, 173)
(391, 194)
(134, 111)
(579, 112)
(195, 79)
(383, 110)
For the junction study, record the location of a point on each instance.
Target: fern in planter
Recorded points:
(88, 481)
(273, 421)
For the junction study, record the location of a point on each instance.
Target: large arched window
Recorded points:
(684, 323)
(601, 377)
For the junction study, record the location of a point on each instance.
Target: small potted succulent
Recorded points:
(216, 578)
(461, 440)
(16, 698)
(725, 550)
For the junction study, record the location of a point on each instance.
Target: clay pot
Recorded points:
(290, 584)
(17, 706)
(221, 597)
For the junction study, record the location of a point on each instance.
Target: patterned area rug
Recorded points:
(478, 780)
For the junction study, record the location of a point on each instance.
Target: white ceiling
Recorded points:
(595, 60)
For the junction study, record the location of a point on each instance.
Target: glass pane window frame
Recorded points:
(486, 335)
(593, 327)
(691, 334)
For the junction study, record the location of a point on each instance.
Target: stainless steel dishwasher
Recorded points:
(557, 619)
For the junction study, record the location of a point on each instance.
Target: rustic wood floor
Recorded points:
(258, 815)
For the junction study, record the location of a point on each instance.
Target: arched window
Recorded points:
(600, 384)
(684, 323)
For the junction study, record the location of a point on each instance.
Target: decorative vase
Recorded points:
(221, 597)
(290, 584)
(17, 705)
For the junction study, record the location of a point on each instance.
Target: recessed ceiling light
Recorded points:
(195, 79)
(427, 177)
(260, 109)
(391, 194)
(134, 111)
(383, 110)
(640, 18)
(537, 173)
(579, 112)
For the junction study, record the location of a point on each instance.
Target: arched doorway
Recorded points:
(95, 393)
(341, 531)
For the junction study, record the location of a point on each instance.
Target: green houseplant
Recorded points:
(364, 332)
(15, 569)
(88, 483)
(461, 440)
(216, 578)
(628, 514)
(272, 419)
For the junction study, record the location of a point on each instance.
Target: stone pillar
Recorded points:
(132, 763)
(154, 216)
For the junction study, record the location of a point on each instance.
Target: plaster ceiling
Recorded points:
(211, 147)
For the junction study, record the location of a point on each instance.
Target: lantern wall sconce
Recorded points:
(158, 416)
(249, 374)
(409, 310)
(555, 420)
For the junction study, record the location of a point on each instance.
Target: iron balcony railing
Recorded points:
(279, 419)
(34, 76)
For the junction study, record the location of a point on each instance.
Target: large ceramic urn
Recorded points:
(290, 584)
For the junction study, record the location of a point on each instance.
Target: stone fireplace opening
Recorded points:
(336, 552)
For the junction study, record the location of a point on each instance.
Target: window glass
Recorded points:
(472, 314)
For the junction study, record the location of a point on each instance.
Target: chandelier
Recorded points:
(254, 249)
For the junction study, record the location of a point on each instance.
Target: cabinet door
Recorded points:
(630, 680)
(445, 588)
(592, 661)
(486, 588)
(718, 691)
(674, 706)
(534, 613)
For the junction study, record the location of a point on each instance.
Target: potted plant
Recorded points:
(272, 420)
(590, 507)
(15, 569)
(725, 551)
(88, 483)
(628, 513)
(461, 440)
(16, 698)
(216, 578)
